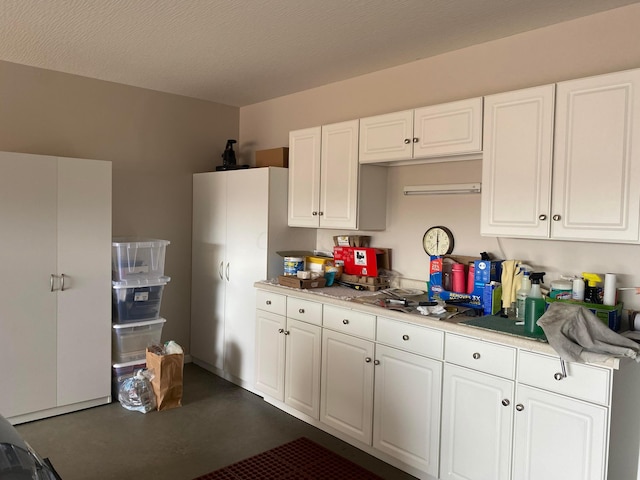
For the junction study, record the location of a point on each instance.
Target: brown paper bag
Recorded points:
(167, 380)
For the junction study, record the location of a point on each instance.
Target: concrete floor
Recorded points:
(218, 424)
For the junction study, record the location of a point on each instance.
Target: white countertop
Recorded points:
(345, 297)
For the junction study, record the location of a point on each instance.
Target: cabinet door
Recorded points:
(28, 237)
(304, 177)
(84, 257)
(208, 282)
(453, 128)
(270, 354)
(596, 173)
(516, 165)
(558, 438)
(302, 371)
(246, 246)
(406, 422)
(477, 415)
(386, 137)
(339, 176)
(347, 385)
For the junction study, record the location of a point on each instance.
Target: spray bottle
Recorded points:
(591, 289)
(534, 304)
(523, 293)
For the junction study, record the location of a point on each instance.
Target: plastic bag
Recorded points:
(136, 393)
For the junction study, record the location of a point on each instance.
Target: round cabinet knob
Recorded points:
(506, 402)
(286, 332)
(281, 330)
(520, 407)
(268, 302)
(556, 218)
(320, 213)
(368, 359)
(301, 310)
(314, 213)
(558, 376)
(376, 362)
(405, 337)
(542, 217)
(476, 356)
(345, 321)
(407, 141)
(415, 139)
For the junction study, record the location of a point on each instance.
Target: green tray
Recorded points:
(503, 325)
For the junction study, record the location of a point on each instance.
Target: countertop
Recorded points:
(350, 298)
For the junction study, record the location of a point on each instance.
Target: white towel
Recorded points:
(574, 332)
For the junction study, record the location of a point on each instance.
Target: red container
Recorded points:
(458, 283)
(471, 278)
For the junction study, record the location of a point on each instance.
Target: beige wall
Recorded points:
(597, 44)
(155, 141)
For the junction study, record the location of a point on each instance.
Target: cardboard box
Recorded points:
(351, 240)
(365, 261)
(295, 282)
(609, 315)
(273, 157)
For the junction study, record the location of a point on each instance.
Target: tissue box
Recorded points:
(610, 315)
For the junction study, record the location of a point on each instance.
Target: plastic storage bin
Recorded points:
(137, 300)
(130, 340)
(122, 371)
(133, 258)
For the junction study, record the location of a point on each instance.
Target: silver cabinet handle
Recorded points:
(345, 321)
(506, 402)
(476, 356)
(286, 332)
(415, 139)
(301, 310)
(520, 407)
(227, 273)
(405, 337)
(376, 362)
(51, 281)
(556, 218)
(320, 213)
(368, 359)
(281, 330)
(62, 282)
(314, 213)
(542, 217)
(220, 270)
(558, 376)
(268, 302)
(407, 141)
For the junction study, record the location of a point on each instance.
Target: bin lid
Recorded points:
(139, 242)
(144, 323)
(141, 282)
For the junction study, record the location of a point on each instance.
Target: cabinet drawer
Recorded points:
(349, 321)
(584, 382)
(480, 355)
(271, 302)
(304, 310)
(412, 338)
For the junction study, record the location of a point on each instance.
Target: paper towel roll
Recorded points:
(609, 289)
(636, 322)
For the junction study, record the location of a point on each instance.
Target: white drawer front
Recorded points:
(349, 321)
(480, 355)
(584, 382)
(409, 337)
(304, 310)
(271, 302)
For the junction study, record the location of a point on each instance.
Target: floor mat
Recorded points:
(301, 459)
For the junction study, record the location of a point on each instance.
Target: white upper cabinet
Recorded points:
(516, 170)
(424, 134)
(596, 172)
(575, 177)
(327, 186)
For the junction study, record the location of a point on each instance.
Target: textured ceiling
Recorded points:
(246, 51)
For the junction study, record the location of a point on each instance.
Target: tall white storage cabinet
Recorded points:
(55, 338)
(239, 223)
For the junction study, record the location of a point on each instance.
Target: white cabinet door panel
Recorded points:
(386, 137)
(304, 177)
(270, 353)
(302, 370)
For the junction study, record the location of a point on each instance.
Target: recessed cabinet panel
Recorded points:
(516, 170)
(304, 177)
(596, 190)
(386, 137)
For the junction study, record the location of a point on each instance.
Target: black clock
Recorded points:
(438, 240)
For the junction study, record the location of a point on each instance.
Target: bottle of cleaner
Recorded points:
(577, 289)
(522, 294)
(591, 290)
(534, 304)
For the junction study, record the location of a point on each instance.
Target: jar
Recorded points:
(561, 289)
(457, 278)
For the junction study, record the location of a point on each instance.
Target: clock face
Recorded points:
(438, 241)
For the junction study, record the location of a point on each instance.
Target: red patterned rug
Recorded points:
(301, 459)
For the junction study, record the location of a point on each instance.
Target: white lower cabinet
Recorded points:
(347, 384)
(406, 407)
(477, 421)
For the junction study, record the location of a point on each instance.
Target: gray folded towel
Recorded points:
(574, 331)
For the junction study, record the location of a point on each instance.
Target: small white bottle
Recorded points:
(522, 294)
(577, 289)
